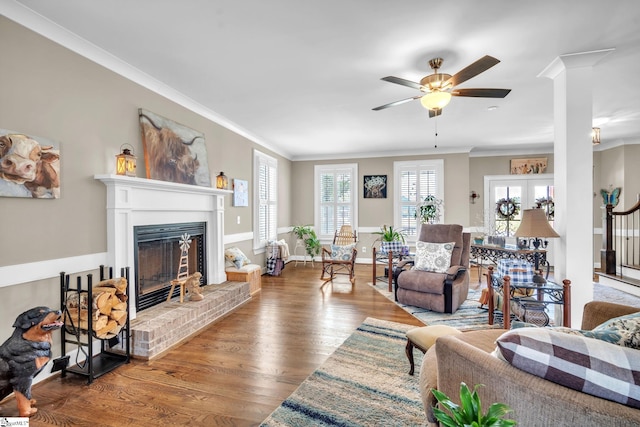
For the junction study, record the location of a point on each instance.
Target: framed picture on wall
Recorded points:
(30, 166)
(173, 152)
(240, 192)
(375, 186)
(528, 166)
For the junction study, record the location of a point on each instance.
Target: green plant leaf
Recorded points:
(469, 412)
(496, 412)
(444, 418)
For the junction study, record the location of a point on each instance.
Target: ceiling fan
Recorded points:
(438, 88)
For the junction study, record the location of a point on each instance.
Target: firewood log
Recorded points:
(119, 283)
(119, 316)
(83, 321)
(102, 303)
(101, 289)
(120, 306)
(110, 327)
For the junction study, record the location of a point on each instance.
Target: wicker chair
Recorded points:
(341, 259)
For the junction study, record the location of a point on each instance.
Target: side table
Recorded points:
(389, 259)
(545, 294)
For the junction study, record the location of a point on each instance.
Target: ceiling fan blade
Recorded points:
(481, 65)
(393, 104)
(403, 82)
(481, 93)
(434, 113)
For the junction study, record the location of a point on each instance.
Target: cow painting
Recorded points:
(29, 166)
(173, 152)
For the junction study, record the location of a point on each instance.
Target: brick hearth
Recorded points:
(163, 326)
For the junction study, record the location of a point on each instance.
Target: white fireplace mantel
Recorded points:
(137, 201)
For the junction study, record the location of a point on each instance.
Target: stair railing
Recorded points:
(620, 239)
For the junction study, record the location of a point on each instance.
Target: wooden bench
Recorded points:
(251, 273)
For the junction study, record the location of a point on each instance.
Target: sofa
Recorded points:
(535, 401)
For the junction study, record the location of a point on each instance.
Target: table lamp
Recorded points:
(534, 225)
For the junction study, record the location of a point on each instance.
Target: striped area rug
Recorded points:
(363, 383)
(470, 316)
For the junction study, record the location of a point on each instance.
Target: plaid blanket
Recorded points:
(520, 271)
(395, 247)
(589, 365)
(275, 266)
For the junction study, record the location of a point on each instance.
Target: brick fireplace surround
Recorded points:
(136, 201)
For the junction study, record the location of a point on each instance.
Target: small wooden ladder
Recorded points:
(183, 273)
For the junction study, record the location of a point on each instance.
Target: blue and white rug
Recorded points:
(363, 383)
(470, 316)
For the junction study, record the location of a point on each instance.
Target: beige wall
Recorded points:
(373, 213)
(479, 167)
(54, 93)
(91, 112)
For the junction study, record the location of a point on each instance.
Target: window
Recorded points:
(265, 182)
(336, 198)
(415, 180)
(521, 192)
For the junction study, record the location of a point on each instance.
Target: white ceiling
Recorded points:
(302, 77)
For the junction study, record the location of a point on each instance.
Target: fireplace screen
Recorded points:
(157, 259)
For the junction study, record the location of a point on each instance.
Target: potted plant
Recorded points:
(308, 235)
(389, 234)
(429, 210)
(469, 412)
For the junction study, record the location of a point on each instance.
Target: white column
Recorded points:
(572, 77)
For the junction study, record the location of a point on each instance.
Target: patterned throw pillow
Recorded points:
(434, 257)
(236, 256)
(608, 335)
(627, 328)
(342, 253)
(591, 366)
(623, 330)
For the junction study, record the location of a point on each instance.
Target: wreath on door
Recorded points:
(547, 204)
(507, 208)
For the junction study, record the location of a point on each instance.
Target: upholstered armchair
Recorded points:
(439, 278)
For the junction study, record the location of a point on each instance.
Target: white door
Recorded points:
(508, 195)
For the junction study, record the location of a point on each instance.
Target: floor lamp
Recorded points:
(535, 227)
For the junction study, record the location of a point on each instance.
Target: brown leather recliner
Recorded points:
(440, 292)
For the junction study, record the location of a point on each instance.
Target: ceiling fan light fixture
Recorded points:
(438, 81)
(435, 100)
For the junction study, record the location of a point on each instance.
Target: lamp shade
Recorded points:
(534, 224)
(435, 100)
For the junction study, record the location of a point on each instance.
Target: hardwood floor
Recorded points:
(235, 372)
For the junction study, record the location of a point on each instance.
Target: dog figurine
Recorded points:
(25, 353)
(193, 287)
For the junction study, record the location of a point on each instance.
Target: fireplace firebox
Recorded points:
(157, 256)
